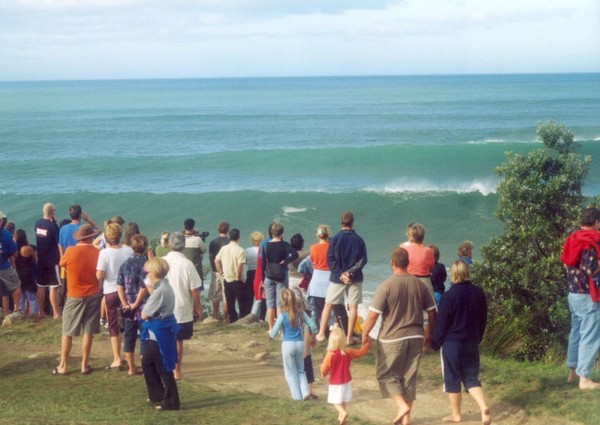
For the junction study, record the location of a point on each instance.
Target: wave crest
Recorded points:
(483, 186)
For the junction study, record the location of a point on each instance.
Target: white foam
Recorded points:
(293, 210)
(484, 186)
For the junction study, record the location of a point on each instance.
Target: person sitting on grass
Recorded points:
(337, 364)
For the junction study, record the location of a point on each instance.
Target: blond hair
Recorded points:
(465, 249)
(459, 272)
(113, 233)
(415, 232)
(323, 231)
(158, 266)
(256, 238)
(337, 339)
(289, 305)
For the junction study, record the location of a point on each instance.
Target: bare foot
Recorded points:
(320, 337)
(587, 384)
(451, 418)
(342, 418)
(572, 376)
(486, 419)
(401, 414)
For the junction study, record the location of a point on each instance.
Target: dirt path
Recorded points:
(247, 361)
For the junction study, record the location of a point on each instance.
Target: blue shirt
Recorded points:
(7, 248)
(292, 333)
(65, 238)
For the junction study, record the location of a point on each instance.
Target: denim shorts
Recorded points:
(273, 289)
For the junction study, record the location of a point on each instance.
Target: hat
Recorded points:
(85, 231)
(2, 215)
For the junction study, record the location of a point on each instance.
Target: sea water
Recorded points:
(393, 150)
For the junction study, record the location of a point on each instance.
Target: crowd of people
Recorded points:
(91, 276)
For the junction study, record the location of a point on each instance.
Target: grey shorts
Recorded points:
(336, 292)
(82, 313)
(9, 281)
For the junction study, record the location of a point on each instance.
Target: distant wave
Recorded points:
(485, 187)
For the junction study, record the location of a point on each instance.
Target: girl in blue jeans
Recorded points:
(292, 320)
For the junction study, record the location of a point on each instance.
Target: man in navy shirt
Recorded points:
(46, 237)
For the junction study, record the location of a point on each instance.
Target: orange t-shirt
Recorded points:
(81, 261)
(420, 259)
(318, 256)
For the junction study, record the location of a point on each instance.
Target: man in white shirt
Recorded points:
(230, 264)
(185, 280)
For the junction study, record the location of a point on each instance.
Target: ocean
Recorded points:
(393, 150)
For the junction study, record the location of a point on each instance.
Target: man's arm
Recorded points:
(368, 325)
(89, 220)
(427, 330)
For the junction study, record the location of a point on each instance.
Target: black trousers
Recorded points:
(161, 385)
(242, 292)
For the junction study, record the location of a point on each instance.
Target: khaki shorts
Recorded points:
(397, 365)
(336, 292)
(81, 313)
(215, 292)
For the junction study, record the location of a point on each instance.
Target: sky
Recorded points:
(124, 39)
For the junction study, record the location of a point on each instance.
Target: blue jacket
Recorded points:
(347, 252)
(164, 332)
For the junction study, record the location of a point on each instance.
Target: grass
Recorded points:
(29, 394)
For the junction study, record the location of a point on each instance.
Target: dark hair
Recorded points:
(223, 227)
(399, 258)
(139, 243)
(189, 224)
(132, 229)
(297, 242)
(21, 239)
(589, 216)
(347, 219)
(234, 234)
(436, 252)
(75, 212)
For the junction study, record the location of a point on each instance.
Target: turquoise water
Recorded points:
(299, 150)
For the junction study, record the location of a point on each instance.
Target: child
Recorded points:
(459, 328)
(292, 321)
(337, 361)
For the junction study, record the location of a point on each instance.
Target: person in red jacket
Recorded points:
(337, 364)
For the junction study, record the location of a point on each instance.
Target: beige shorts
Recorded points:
(397, 366)
(336, 292)
(215, 292)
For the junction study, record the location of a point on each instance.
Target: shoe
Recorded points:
(103, 322)
(55, 372)
(119, 368)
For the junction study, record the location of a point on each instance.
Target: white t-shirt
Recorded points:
(251, 257)
(183, 278)
(109, 261)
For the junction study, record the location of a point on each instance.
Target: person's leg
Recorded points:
(479, 397)
(66, 343)
(342, 414)
(152, 366)
(178, 373)
(299, 360)
(324, 322)
(171, 394)
(54, 301)
(86, 348)
(288, 354)
(41, 299)
(244, 296)
(115, 343)
(403, 408)
(455, 403)
(33, 303)
(129, 340)
(589, 342)
(351, 322)
(229, 290)
(573, 347)
(16, 296)
(23, 302)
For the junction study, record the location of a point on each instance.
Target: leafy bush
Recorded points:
(539, 203)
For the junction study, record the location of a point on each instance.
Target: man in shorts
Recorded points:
(216, 292)
(46, 238)
(82, 306)
(10, 285)
(346, 257)
(400, 300)
(185, 280)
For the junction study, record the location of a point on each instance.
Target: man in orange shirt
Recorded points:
(82, 307)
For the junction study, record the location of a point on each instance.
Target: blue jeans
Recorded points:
(293, 368)
(584, 340)
(29, 297)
